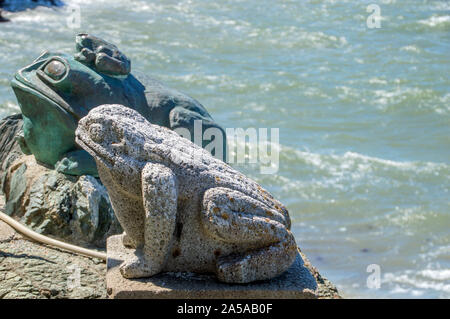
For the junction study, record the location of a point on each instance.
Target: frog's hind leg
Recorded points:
(236, 218)
(260, 264)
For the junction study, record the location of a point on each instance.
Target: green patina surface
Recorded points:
(58, 89)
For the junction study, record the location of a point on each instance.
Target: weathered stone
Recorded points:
(73, 209)
(10, 127)
(27, 271)
(70, 208)
(6, 232)
(31, 270)
(181, 208)
(296, 283)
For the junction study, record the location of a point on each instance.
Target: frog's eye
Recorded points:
(95, 131)
(55, 69)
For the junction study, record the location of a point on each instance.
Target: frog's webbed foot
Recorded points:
(77, 163)
(236, 218)
(138, 267)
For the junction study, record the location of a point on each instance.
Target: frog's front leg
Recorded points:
(160, 204)
(77, 163)
(85, 56)
(236, 218)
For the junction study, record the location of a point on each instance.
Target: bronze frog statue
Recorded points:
(57, 90)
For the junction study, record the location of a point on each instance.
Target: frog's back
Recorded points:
(162, 99)
(199, 170)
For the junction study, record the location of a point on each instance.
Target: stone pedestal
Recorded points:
(297, 282)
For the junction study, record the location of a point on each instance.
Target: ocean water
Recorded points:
(363, 114)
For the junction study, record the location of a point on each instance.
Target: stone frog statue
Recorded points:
(181, 208)
(58, 89)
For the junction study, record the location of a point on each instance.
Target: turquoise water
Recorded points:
(364, 114)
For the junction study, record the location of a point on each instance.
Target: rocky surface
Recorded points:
(70, 208)
(325, 288)
(10, 126)
(28, 270)
(31, 270)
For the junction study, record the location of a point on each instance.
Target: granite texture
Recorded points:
(181, 208)
(29, 270)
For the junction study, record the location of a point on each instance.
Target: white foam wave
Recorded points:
(410, 48)
(417, 282)
(404, 217)
(434, 21)
(436, 274)
(344, 172)
(441, 252)
(398, 95)
(441, 5)
(9, 106)
(376, 80)
(352, 160)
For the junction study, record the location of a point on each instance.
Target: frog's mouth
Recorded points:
(25, 90)
(98, 154)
